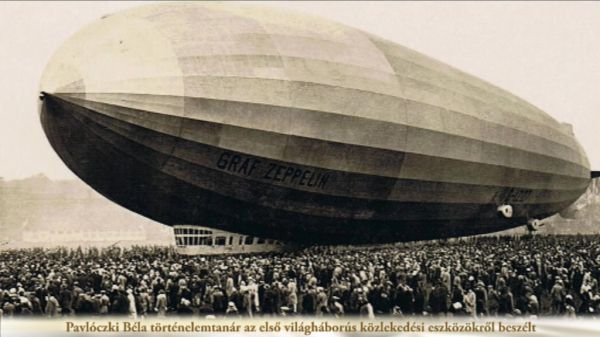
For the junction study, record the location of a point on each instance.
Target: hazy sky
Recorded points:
(545, 53)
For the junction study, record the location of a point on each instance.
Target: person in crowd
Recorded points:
(479, 276)
(470, 300)
(231, 309)
(52, 306)
(161, 303)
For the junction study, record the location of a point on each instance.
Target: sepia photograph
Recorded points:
(299, 168)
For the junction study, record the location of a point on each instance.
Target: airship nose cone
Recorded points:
(120, 58)
(112, 60)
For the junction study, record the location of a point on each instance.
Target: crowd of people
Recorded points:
(481, 276)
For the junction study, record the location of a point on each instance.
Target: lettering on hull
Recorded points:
(244, 165)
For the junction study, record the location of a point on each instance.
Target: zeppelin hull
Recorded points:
(300, 130)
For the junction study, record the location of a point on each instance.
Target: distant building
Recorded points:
(68, 236)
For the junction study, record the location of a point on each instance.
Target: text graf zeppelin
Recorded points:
(272, 171)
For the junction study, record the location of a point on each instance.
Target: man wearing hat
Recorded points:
(104, 303)
(336, 308)
(231, 309)
(482, 299)
(557, 293)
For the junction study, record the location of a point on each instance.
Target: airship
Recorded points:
(280, 125)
